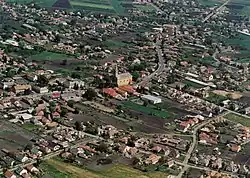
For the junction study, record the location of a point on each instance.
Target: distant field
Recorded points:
(210, 2)
(47, 56)
(239, 119)
(42, 3)
(89, 4)
(57, 169)
(109, 6)
(145, 8)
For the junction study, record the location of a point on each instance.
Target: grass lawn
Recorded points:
(215, 98)
(239, 119)
(145, 109)
(193, 84)
(47, 56)
(29, 126)
(58, 169)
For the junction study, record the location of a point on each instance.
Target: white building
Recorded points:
(71, 83)
(151, 99)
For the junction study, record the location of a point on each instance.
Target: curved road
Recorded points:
(160, 68)
(191, 148)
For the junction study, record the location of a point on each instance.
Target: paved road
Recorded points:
(191, 148)
(160, 68)
(204, 168)
(215, 11)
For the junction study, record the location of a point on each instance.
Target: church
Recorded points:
(123, 78)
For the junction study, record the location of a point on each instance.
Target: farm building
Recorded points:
(151, 99)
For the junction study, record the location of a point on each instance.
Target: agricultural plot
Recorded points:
(58, 169)
(145, 109)
(13, 137)
(105, 6)
(48, 56)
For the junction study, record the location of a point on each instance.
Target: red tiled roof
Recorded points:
(110, 92)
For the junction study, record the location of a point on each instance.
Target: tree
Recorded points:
(64, 112)
(135, 75)
(75, 75)
(57, 39)
(90, 94)
(102, 147)
(43, 81)
(76, 87)
(64, 62)
(71, 103)
(27, 92)
(78, 126)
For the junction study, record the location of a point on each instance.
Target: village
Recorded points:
(157, 97)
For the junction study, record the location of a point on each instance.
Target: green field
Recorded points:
(30, 126)
(145, 109)
(146, 8)
(109, 6)
(209, 2)
(47, 56)
(193, 84)
(239, 119)
(92, 5)
(42, 3)
(58, 169)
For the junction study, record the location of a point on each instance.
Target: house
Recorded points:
(53, 146)
(45, 149)
(21, 157)
(235, 148)
(32, 169)
(184, 126)
(35, 153)
(7, 83)
(31, 77)
(25, 117)
(20, 171)
(9, 174)
(152, 159)
(18, 88)
(39, 89)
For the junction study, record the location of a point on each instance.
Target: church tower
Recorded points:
(116, 71)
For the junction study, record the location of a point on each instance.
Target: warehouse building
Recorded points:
(151, 99)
